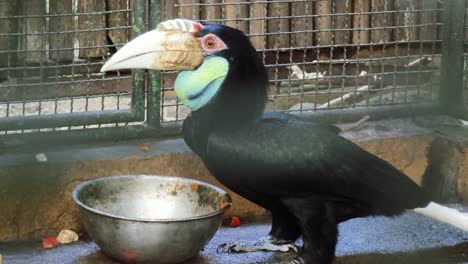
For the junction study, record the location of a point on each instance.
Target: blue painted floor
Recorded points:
(409, 238)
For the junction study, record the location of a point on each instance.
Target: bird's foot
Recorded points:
(296, 260)
(267, 243)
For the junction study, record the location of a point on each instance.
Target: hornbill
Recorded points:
(307, 175)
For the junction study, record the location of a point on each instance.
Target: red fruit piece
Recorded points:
(235, 222)
(144, 148)
(49, 242)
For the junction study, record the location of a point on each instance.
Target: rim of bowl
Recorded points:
(159, 220)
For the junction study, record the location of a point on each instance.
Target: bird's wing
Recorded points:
(294, 121)
(282, 160)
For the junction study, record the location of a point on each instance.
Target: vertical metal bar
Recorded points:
(138, 96)
(154, 95)
(453, 35)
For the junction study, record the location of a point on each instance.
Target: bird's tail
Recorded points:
(446, 215)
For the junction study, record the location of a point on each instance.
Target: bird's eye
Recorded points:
(210, 43)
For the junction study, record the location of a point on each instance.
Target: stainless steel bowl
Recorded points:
(157, 219)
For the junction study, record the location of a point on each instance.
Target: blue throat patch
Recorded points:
(196, 88)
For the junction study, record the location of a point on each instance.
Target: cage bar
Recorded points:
(453, 37)
(154, 89)
(324, 58)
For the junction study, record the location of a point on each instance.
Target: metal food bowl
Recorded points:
(156, 219)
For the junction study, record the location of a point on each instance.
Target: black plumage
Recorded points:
(308, 176)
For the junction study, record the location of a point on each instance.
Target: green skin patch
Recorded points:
(196, 88)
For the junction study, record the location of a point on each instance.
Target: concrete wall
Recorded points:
(35, 198)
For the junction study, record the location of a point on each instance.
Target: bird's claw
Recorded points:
(288, 247)
(296, 260)
(261, 245)
(226, 248)
(236, 248)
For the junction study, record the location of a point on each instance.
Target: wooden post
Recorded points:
(405, 18)
(61, 44)
(91, 22)
(278, 25)
(35, 40)
(323, 22)
(302, 24)
(170, 10)
(211, 12)
(258, 25)
(189, 12)
(429, 17)
(381, 20)
(361, 21)
(239, 12)
(7, 8)
(342, 21)
(117, 20)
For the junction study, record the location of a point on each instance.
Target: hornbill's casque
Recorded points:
(309, 177)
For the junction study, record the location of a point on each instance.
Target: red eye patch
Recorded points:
(212, 43)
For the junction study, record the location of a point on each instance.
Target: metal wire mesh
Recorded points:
(330, 54)
(320, 54)
(50, 55)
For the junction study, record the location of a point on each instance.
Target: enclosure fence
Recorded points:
(323, 57)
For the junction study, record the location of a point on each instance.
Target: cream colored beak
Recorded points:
(160, 49)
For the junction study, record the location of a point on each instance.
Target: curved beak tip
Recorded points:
(104, 68)
(111, 66)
